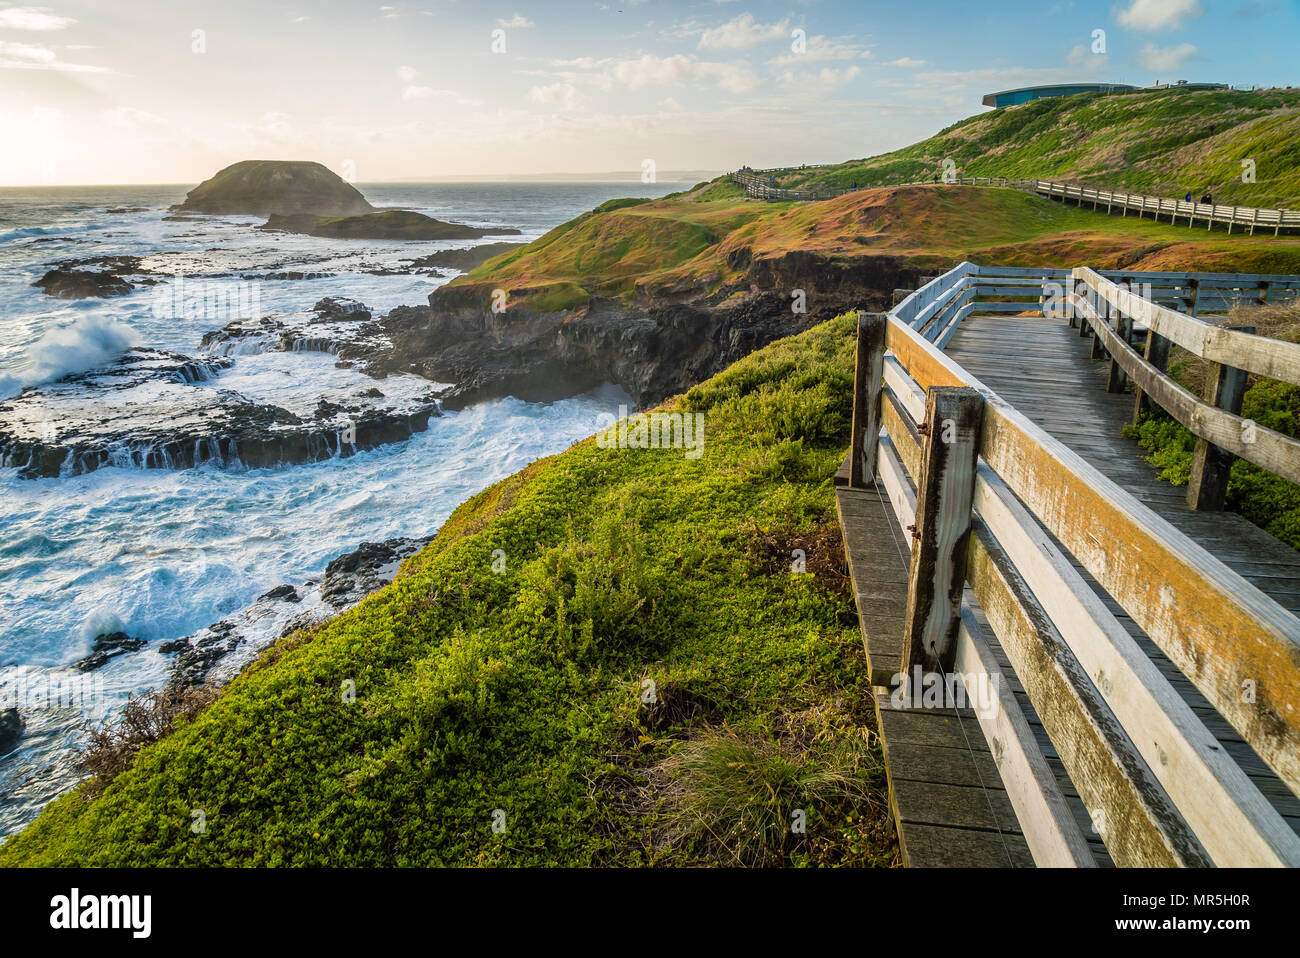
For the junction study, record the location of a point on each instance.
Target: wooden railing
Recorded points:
(1249, 217)
(1000, 512)
(1114, 313)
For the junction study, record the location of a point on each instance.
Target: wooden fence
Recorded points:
(997, 505)
(1247, 217)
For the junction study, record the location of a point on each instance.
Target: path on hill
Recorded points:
(758, 185)
(958, 790)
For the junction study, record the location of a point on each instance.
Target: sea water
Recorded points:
(159, 554)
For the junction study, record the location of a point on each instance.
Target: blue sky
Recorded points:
(168, 92)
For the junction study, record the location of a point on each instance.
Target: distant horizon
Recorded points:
(605, 176)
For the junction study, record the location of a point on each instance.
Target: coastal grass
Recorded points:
(708, 240)
(1162, 143)
(1267, 500)
(609, 656)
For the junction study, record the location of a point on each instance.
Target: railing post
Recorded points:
(1157, 354)
(945, 489)
(1207, 488)
(1098, 350)
(868, 376)
(1124, 329)
(1084, 327)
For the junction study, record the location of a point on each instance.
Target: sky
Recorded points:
(145, 91)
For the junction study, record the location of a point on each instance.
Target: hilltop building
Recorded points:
(1027, 93)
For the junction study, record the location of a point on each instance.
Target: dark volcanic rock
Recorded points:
(272, 187)
(107, 647)
(384, 224)
(64, 283)
(463, 259)
(335, 325)
(152, 409)
(218, 652)
(672, 336)
(286, 592)
(95, 276)
(11, 729)
(351, 577)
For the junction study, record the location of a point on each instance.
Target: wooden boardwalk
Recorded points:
(951, 805)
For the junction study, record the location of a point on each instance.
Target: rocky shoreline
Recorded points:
(152, 409)
(659, 345)
(216, 654)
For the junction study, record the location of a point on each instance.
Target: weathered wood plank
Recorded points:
(1276, 359)
(943, 496)
(1045, 818)
(1135, 817)
(1235, 823)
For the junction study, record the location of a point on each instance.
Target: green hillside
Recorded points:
(709, 239)
(647, 679)
(1162, 143)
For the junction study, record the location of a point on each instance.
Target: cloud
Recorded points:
(32, 18)
(1152, 15)
(416, 92)
(518, 22)
(26, 56)
(649, 70)
(825, 80)
(742, 32)
(820, 48)
(906, 62)
(1082, 57)
(407, 74)
(561, 96)
(1164, 59)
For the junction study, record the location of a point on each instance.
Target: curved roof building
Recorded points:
(1027, 93)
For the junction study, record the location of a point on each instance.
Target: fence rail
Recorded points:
(1248, 217)
(998, 505)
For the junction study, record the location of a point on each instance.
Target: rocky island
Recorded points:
(300, 196)
(275, 187)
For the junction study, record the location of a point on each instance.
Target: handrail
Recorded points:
(1159, 787)
(1209, 213)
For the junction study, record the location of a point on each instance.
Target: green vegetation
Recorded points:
(1163, 143)
(708, 239)
(1269, 501)
(527, 690)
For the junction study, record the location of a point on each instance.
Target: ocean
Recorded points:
(159, 554)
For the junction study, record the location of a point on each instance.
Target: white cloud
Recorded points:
(1081, 57)
(26, 51)
(1159, 14)
(1163, 59)
(561, 96)
(822, 48)
(416, 92)
(407, 74)
(26, 56)
(648, 70)
(906, 62)
(824, 80)
(518, 22)
(742, 32)
(32, 18)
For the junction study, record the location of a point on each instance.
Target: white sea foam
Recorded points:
(84, 344)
